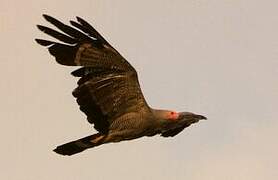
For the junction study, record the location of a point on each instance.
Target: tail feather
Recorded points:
(77, 146)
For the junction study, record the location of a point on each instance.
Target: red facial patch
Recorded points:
(173, 115)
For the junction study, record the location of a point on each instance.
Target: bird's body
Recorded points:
(108, 90)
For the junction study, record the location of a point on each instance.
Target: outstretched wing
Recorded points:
(174, 132)
(108, 87)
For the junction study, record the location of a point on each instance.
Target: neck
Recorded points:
(160, 113)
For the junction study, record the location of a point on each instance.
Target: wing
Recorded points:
(173, 132)
(83, 46)
(108, 87)
(107, 96)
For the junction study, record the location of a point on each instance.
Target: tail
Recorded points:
(79, 145)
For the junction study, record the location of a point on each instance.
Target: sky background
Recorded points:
(216, 58)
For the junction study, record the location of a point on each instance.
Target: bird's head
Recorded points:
(182, 117)
(174, 122)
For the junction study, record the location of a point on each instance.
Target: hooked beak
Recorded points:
(200, 117)
(191, 118)
(189, 115)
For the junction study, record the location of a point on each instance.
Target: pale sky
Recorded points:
(212, 57)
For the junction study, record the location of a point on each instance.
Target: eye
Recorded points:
(173, 115)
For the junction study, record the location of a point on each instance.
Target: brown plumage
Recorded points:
(108, 90)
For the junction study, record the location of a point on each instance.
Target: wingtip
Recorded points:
(43, 42)
(77, 17)
(72, 22)
(50, 19)
(37, 41)
(46, 16)
(40, 27)
(80, 20)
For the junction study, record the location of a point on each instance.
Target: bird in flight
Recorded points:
(108, 90)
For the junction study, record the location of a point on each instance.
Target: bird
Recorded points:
(108, 89)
